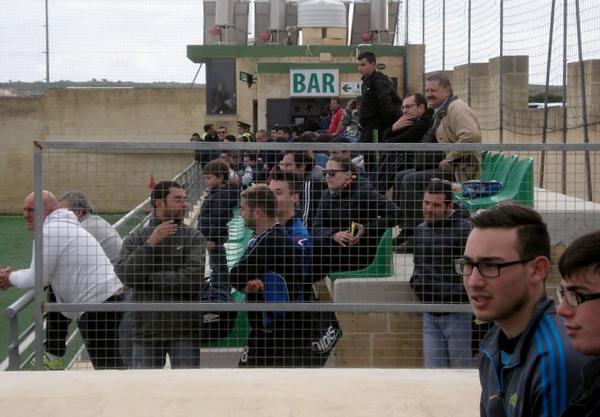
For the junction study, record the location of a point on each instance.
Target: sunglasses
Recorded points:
(331, 172)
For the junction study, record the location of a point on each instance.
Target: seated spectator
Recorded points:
(269, 272)
(216, 211)
(350, 221)
(163, 262)
(301, 164)
(351, 121)
(309, 137)
(416, 120)
(347, 154)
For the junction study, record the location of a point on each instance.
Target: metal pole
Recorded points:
(546, 91)
(586, 139)
(501, 73)
(443, 35)
(564, 101)
(469, 55)
(39, 257)
(405, 83)
(196, 76)
(47, 47)
(423, 41)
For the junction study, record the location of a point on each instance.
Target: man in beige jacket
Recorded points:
(454, 122)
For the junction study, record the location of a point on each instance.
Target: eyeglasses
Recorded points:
(487, 269)
(407, 106)
(574, 298)
(331, 172)
(221, 132)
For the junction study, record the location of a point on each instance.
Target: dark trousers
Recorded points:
(57, 329)
(100, 333)
(389, 164)
(329, 256)
(410, 189)
(370, 157)
(219, 272)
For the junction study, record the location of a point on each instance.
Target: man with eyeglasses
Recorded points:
(579, 305)
(528, 366)
(221, 133)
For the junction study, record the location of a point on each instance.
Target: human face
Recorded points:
(212, 181)
(503, 299)
(435, 93)
(410, 108)
(583, 322)
(335, 178)
(29, 212)
(222, 132)
(435, 207)
(173, 206)
(340, 154)
(248, 214)
(365, 68)
(286, 200)
(288, 164)
(334, 105)
(261, 137)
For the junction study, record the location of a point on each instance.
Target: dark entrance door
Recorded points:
(278, 112)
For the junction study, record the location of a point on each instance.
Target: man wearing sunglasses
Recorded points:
(528, 366)
(579, 305)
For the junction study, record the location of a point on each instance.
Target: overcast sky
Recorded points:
(145, 40)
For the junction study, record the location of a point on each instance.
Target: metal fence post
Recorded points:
(38, 255)
(546, 90)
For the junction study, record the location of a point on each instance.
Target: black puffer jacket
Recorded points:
(436, 246)
(216, 212)
(380, 102)
(586, 402)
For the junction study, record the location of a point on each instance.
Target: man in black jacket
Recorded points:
(380, 104)
(269, 272)
(410, 128)
(163, 262)
(579, 296)
(438, 241)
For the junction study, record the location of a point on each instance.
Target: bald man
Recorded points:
(79, 271)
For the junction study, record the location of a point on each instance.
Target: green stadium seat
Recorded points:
(382, 265)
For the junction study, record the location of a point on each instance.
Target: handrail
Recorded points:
(11, 312)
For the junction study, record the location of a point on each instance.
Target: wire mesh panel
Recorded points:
(282, 261)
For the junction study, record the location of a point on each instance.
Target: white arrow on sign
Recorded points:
(350, 88)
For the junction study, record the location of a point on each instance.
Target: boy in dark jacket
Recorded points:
(216, 212)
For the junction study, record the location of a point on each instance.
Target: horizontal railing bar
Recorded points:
(336, 307)
(12, 310)
(190, 146)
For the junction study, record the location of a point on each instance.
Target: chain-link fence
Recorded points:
(312, 268)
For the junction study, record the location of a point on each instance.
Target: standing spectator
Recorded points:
(350, 221)
(244, 134)
(209, 135)
(453, 122)
(163, 262)
(416, 120)
(221, 133)
(268, 272)
(528, 366)
(579, 306)
(301, 164)
(438, 241)
(337, 111)
(380, 104)
(79, 272)
(216, 211)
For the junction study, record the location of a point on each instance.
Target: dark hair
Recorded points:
(306, 137)
(420, 99)
(532, 234)
(346, 165)
(292, 180)
(207, 127)
(583, 252)
(339, 139)
(77, 200)
(251, 156)
(442, 78)
(162, 190)
(217, 167)
(297, 129)
(439, 186)
(285, 129)
(336, 99)
(368, 55)
(261, 197)
(229, 138)
(302, 158)
(323, 138)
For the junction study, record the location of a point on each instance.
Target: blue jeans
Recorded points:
(151, 354)
(447, 340)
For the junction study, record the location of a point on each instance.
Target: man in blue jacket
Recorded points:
(528, 366)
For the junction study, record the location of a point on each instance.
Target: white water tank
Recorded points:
(321, 14)
(277, 15)
(379, 15)
(224, 13)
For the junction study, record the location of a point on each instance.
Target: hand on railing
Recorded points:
(4, 274)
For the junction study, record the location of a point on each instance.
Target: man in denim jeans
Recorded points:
(438, 240)
(163, 262)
